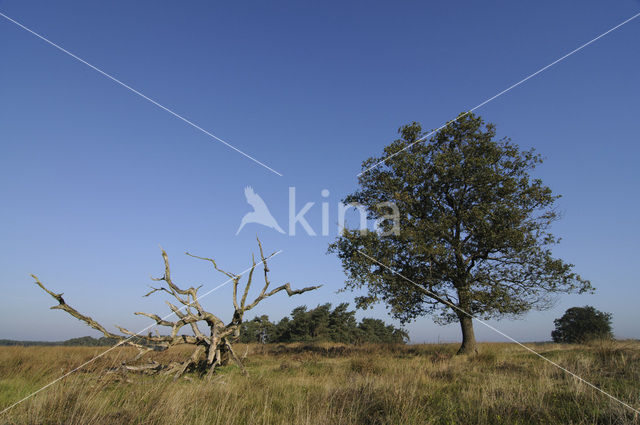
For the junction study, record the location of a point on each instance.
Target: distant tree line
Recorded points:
(85, 341)
(321, 324)
(318, 324)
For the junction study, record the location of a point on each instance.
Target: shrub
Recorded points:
(580, 324)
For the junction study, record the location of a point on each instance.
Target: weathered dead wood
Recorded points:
(212, 348)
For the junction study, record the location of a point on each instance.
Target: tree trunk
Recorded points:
(468, 337)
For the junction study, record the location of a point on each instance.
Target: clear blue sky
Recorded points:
(94, 178)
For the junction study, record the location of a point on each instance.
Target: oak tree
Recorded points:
(473, 232)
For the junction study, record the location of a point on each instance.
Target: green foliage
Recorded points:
(88, 341)
(474, 228)
(256, 330)
(85, 341)
(580, 324)
(375, 330)
(321, 324)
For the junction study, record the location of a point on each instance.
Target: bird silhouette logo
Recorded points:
(260, 213)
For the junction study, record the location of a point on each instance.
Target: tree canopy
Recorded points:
(580, 324)
(321, 324)
(473, 231)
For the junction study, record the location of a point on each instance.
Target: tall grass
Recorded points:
(331, 384)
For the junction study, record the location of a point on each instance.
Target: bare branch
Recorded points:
(215, 265)
(62, 305)
(210, 351)
(285, 287)
(249, 280)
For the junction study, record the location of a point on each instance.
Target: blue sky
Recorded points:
(93, 178)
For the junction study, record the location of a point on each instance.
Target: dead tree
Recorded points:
(213, 347)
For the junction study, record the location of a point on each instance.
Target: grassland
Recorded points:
(332, 384)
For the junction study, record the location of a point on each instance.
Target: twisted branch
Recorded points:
(210, 351)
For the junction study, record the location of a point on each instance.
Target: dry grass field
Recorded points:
(332, 384)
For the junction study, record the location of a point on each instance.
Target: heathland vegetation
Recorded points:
(330, 384)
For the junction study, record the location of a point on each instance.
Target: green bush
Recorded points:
(581, 324)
